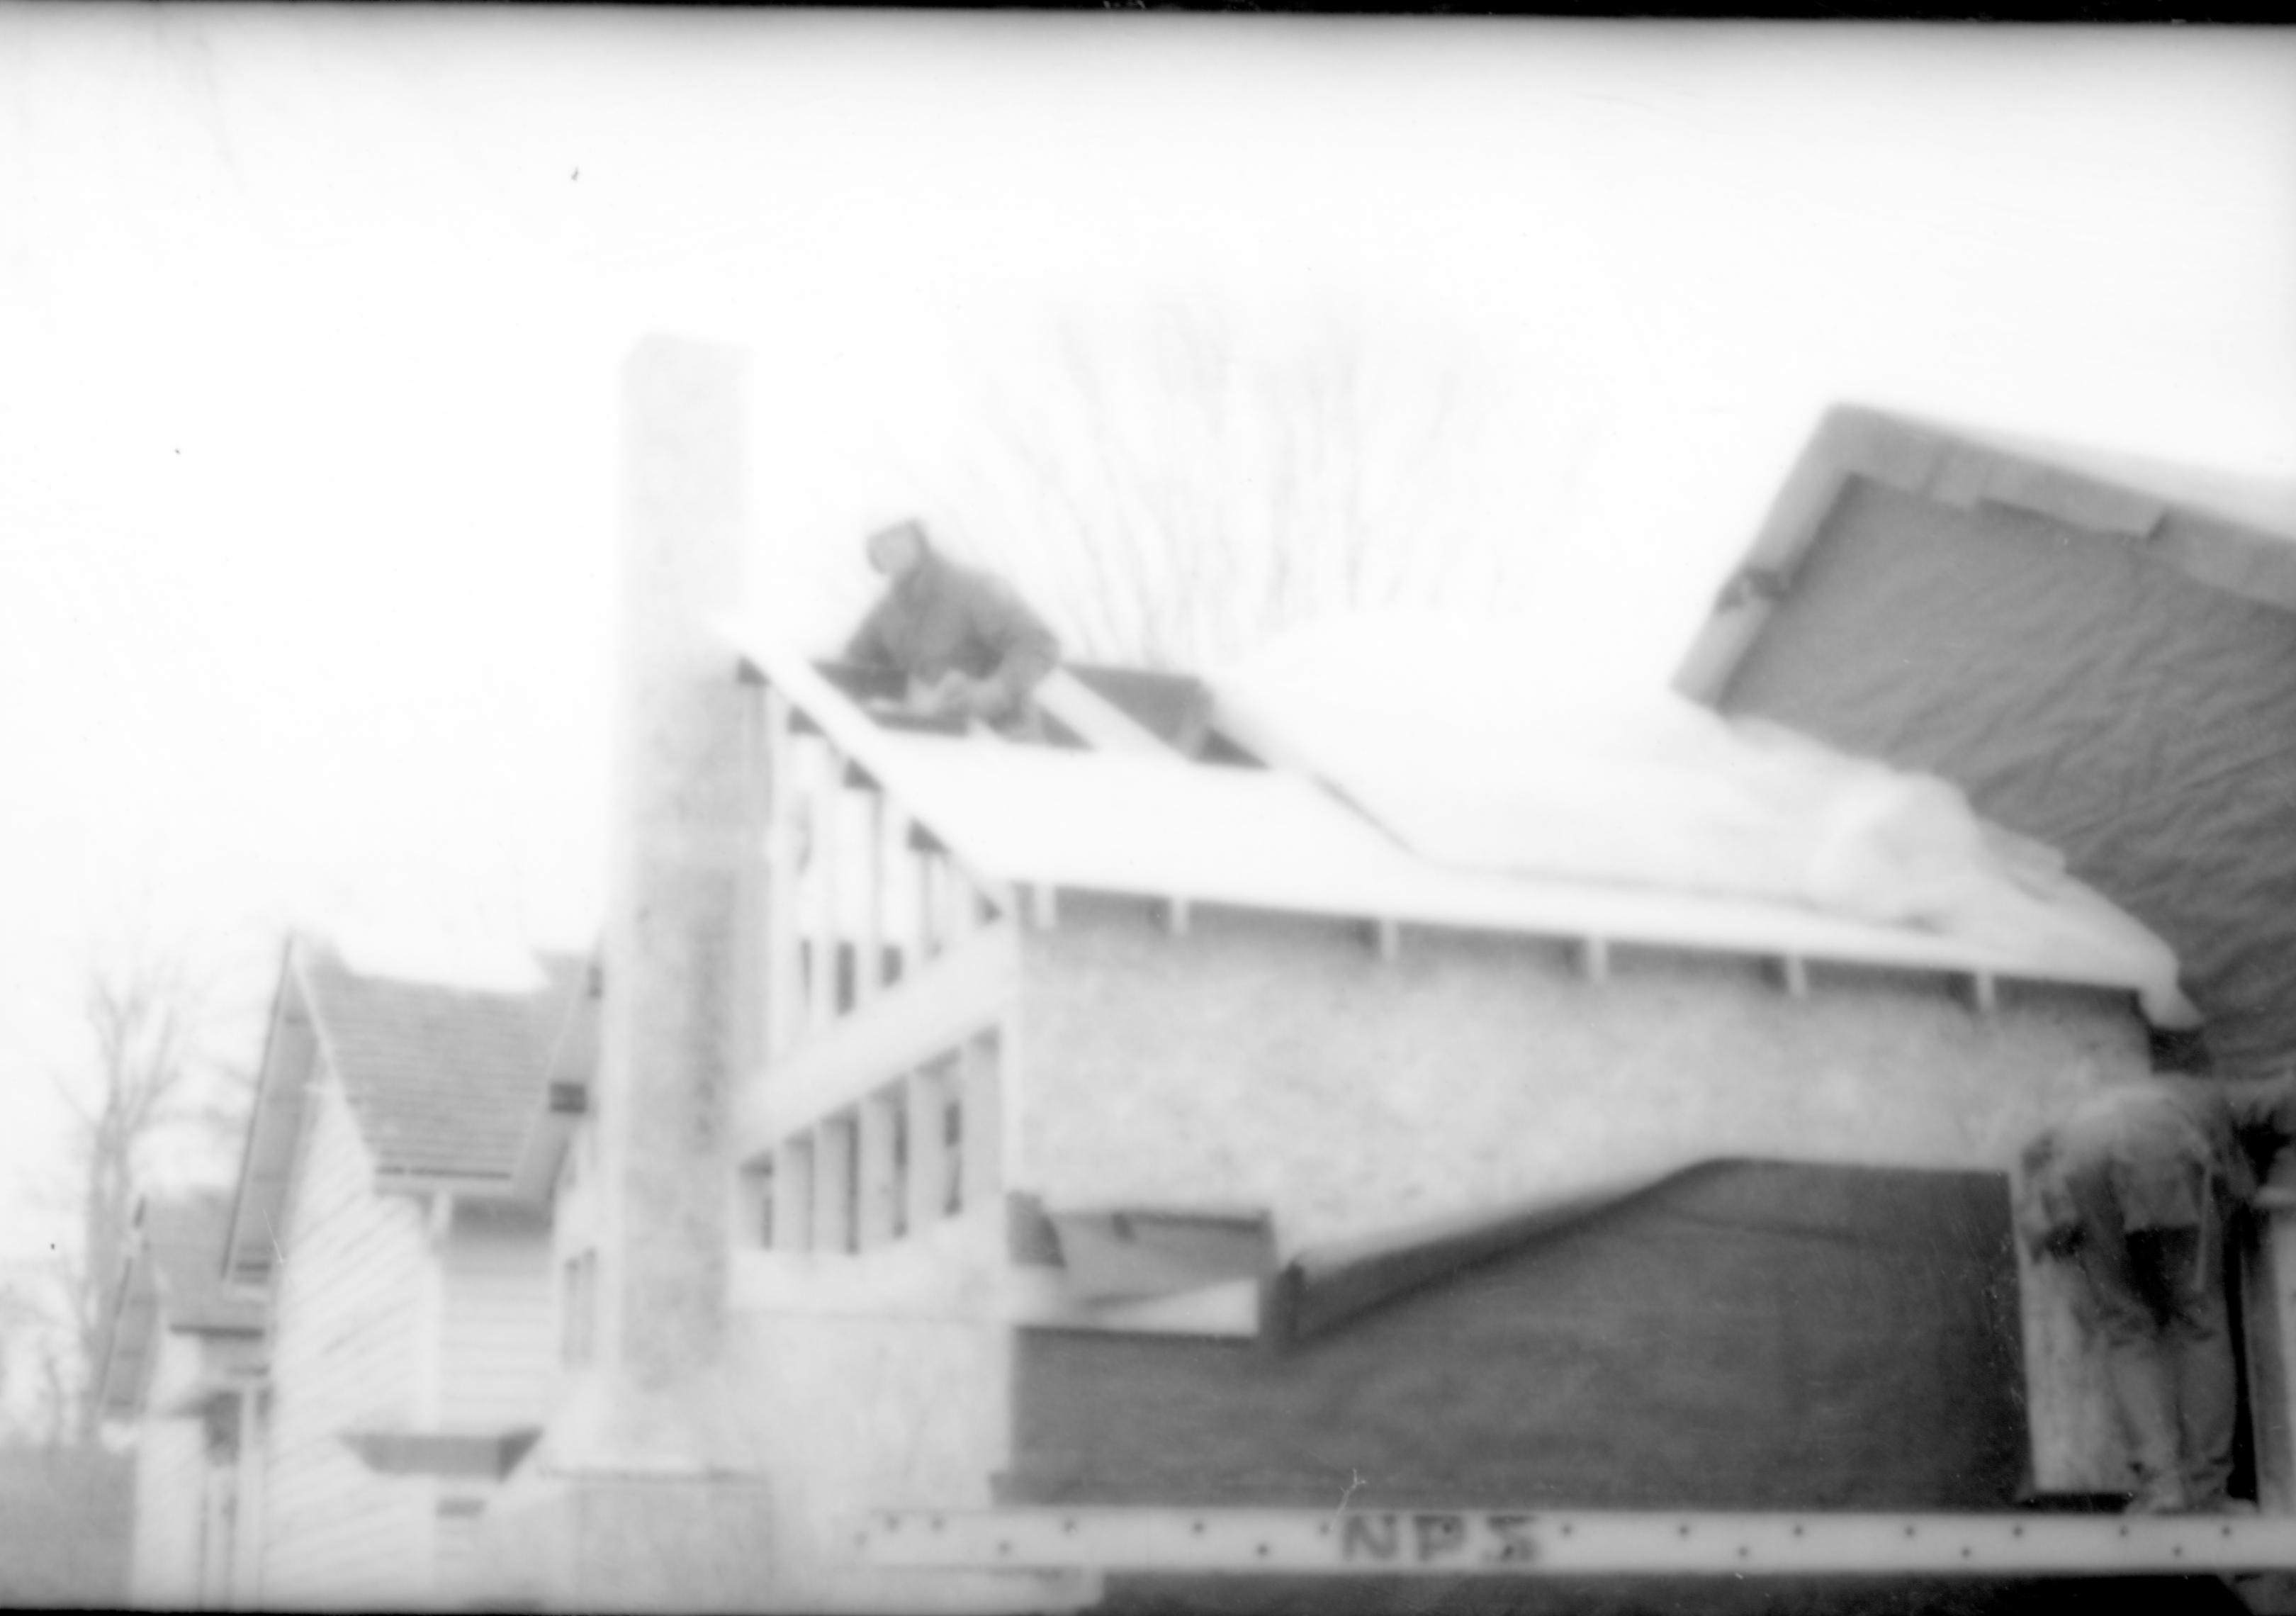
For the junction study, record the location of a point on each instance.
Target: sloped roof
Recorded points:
(2266, 504)
(2101, 651)
(173, 1279)
(2231, 532)
(1173, 710)
(1172, 827)
(444, 1079)
(185, 1240)
(444, 1082)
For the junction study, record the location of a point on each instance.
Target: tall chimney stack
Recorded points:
(641, 1494)
(668, 1052)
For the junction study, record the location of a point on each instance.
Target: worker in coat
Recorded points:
(966, 641)
(2135, 1188)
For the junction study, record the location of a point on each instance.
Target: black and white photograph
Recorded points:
(1059, 813)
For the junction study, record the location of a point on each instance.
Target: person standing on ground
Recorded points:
(964, 640)
(2135, 1188)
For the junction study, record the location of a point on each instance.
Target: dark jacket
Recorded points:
(942, 618)
(2167, 1150)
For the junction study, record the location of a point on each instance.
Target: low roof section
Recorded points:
(171, 1278)
(453, 1085)
(2100, 650)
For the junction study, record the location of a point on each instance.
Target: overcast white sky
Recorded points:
(310, 325)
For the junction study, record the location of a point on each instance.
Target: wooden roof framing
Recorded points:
(1025, 822)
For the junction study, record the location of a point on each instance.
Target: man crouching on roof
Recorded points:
(2134, 1188)
(966, 642)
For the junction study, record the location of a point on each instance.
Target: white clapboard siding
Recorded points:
(461, 1520)
(344, 1358)
(498, 1346)
(170, 1485)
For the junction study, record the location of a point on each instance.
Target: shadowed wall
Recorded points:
(1742, 1335)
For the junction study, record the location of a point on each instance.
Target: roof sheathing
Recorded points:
(1018, 816)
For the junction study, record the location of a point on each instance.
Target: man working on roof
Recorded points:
(966, 641)
(2135, 1188)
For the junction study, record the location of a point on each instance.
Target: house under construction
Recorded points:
(1031, 1177)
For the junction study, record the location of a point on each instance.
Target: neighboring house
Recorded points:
(184, 1360)
(985, 1131)
(390, 1216)
(1023, 1177)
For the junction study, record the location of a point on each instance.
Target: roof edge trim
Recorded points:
(1967, 469)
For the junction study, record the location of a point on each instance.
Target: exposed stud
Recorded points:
(869, 949)
(981, 1172)
(880, 1210)
(826, 808)
(834, 1184)
(929, 1092)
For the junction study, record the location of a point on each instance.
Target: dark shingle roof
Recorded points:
(443, 1079)
(173, 1280)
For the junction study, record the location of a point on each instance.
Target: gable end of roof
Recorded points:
(2185, 519)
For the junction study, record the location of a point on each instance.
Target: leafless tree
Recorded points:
(1183, 490)
(22, 1320)
(58, 1411)
(149, 1083)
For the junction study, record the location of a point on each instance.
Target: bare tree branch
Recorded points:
(1176, 497)
(145, 1008)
